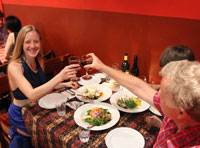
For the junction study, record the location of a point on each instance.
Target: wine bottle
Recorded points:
(125, 64)
(135, 69)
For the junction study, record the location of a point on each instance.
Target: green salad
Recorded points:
(97, 116)
(128, 102)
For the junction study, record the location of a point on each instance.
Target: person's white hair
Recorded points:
(185, 85)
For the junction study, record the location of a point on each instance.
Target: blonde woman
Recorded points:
(27, 81)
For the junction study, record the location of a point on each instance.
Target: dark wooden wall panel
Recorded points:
(110, 34)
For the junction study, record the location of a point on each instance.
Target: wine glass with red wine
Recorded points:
(84, 61)
(74, 60)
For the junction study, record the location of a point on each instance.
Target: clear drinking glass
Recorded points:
(74, 60)
(84, 134)
(85, 61)
(61, 108)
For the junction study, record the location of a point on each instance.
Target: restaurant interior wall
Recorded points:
(111, 29)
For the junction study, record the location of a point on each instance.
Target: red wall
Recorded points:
(110, 34)
(169, 8)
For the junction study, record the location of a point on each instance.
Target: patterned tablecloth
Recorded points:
(49, 130)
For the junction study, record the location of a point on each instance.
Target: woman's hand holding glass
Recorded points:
(88, 61)
(69, 72)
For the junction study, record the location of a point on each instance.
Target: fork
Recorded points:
(71, 92)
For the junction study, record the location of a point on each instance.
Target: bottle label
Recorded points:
(125, 58)
(126, 72)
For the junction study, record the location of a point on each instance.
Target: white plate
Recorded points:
(94, 79)
(49, 101)
(155, 111)
(113, 100)
(124, 137)
(100, 75)
(107, 92)
(82, 111)
(111, 86)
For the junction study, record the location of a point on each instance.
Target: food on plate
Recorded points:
(129, 102)
(87, 77)
(97, 116)
(155, 109)
(92, 93)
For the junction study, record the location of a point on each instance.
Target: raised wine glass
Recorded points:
(74, 60)
(84, 61)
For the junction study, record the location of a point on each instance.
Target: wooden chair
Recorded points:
(4, 85)
(55, 65)
(4, 130)
(50, 54)
(5, 100)
(64, 60)
(3, 69)
(52, 67)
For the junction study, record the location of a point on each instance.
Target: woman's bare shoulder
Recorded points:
(14, 66)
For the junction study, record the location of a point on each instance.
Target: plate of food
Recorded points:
(84, 81)
(49, 101)
(97, 115)
(124, 137)
(100, 75)
(155, 111)
(93, 92)
(128, 102)
(113, 85)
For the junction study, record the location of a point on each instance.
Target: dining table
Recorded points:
(48, 129)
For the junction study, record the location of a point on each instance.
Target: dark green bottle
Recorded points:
(135, 69)
(125, 64)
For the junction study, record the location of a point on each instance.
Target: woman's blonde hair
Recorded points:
(18, 50)
(185, 85)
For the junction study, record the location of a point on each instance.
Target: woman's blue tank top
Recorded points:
(35, 79)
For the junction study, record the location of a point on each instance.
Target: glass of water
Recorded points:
(61, 109)
(84, 134)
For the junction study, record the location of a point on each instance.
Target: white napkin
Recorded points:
(74, 104)
(68, 94)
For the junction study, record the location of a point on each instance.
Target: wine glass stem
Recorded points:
(86, 72)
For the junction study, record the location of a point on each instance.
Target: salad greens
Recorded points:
(128, 102)
(97, 116)
(92, 93)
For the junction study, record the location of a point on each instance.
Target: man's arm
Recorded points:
(132, 83)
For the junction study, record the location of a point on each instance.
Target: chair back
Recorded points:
(5, 100)
(55, 65)
(3, 69)
(5, 97)
(50, 54)
(4, 84)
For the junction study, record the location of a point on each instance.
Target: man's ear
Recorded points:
(182, 115)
